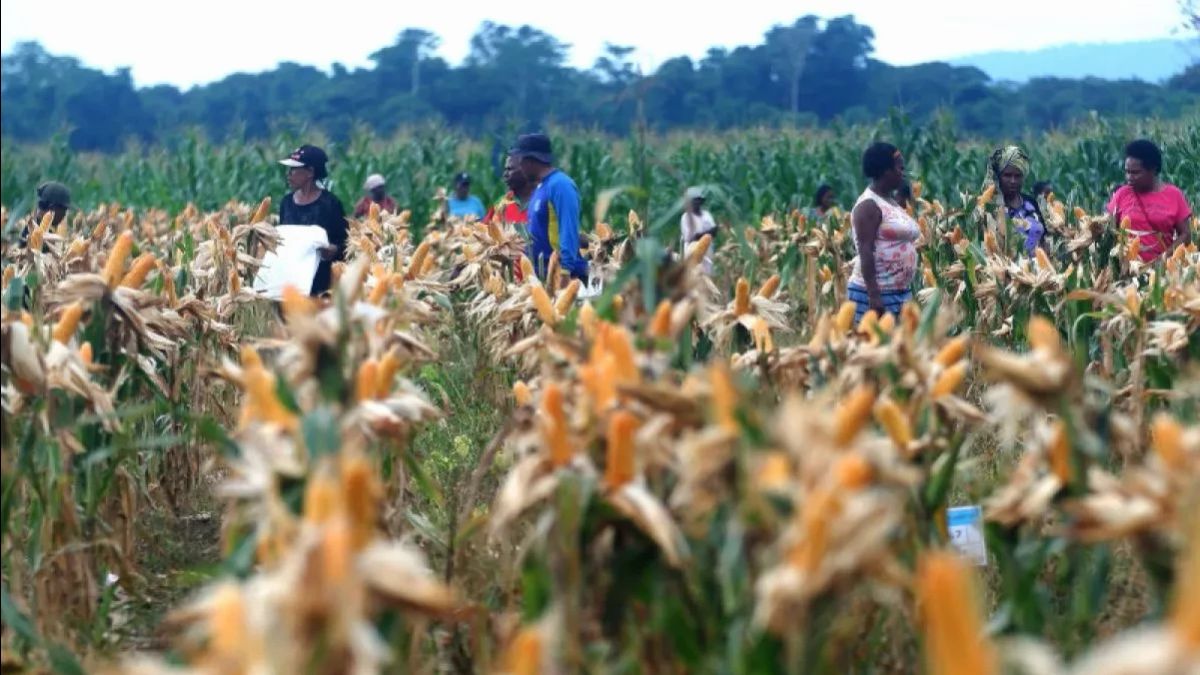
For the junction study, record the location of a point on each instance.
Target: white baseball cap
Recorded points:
(695, 192)
(373, 181)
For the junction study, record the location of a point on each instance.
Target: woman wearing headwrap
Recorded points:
(1006, 171)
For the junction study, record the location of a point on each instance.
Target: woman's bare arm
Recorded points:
(866, 218)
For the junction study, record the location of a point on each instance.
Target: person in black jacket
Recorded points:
(310, 204)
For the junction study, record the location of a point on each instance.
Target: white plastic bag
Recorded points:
(294, 261)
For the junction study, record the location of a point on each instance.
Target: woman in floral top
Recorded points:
(1006, 171)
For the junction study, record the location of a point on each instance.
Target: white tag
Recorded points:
(965, 525)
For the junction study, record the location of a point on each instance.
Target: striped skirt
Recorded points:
(892, 300)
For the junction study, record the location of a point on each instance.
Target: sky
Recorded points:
(198, 42)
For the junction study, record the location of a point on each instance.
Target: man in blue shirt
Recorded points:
(553, 208)
(463, 203)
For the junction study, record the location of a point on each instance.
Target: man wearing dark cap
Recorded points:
(463, 203)
(553, 209)
(52, 197)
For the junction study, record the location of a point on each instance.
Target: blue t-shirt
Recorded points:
(461, 208)
(554, 225)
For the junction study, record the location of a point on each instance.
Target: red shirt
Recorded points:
(363, 207)
(1152, 216)
(510, 210)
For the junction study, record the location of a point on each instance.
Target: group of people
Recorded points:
(542, 202)
(885, 234)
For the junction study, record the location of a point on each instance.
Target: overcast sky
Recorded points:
(186, 43)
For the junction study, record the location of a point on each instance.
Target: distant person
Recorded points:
(512, 209)
(696, 222)
(1042, 189)
(463, 203)
(824, 201)
(310, 204)
(1005, 173)
(376, 189)
(1157, 211)
(52, 197)
(553, 209)
(884, 236)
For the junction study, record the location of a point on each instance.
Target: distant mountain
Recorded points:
(1148, 60)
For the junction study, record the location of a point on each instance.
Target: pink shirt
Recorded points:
(1152, 216)
(895, 250)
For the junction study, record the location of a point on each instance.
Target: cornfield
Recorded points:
(443, 468)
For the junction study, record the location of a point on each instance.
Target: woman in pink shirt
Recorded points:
(1157, 211)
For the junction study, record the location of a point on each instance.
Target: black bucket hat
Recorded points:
(534, 146)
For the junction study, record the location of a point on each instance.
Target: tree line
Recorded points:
(808, 73)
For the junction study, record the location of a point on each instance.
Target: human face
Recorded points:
(1011, 180)
(299, 176)
(378, 193)
(514, 178)
(828, 200)
(1138, 176)
(531, 169)
(698, 204)
(462, 190)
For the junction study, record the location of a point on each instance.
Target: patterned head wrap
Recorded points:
(1001, 159)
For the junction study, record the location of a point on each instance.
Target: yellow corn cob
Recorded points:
(930, 280)
(68, 322)
(894, 422)
(1060, 452)
(114, 267)
(336, 552)
(852, 472)
(852, 414)
(762, 336)
(527, 269)
(322, 498)
(820, 336)
(866, 325)
(587, 320)
(1167, 441)
(1043, 261)
(565, 299)
(660, 325)
(1133, 301)
(227, 625)
(382, 282)
(521, 393)
(367, 381)
(910, 317)
(618, 302)
(1043, 336)
(1080, 214)
(603, 231)
(554, 426)
(260, 213)
(389, 365)
(417, 262)
(949, 380)
(917, 189)
(955, 641)
(494, 232)
(724, 397)
(952, 352)
(619, 464)
(986, 196)
(819, 509)
(989, 242)
(85, 353)
(620, 347)
(696, 254)
(769, 287)
(741, 303)
(1135, 249)
(888, 323)
(524, 654)
(78, 248)
(139, 270)
(99, 231)
(360, 495)
(541, 302)
(9, 273)
(845, 317)
(35, 238)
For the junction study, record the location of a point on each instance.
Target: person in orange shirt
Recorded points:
(376, 189)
